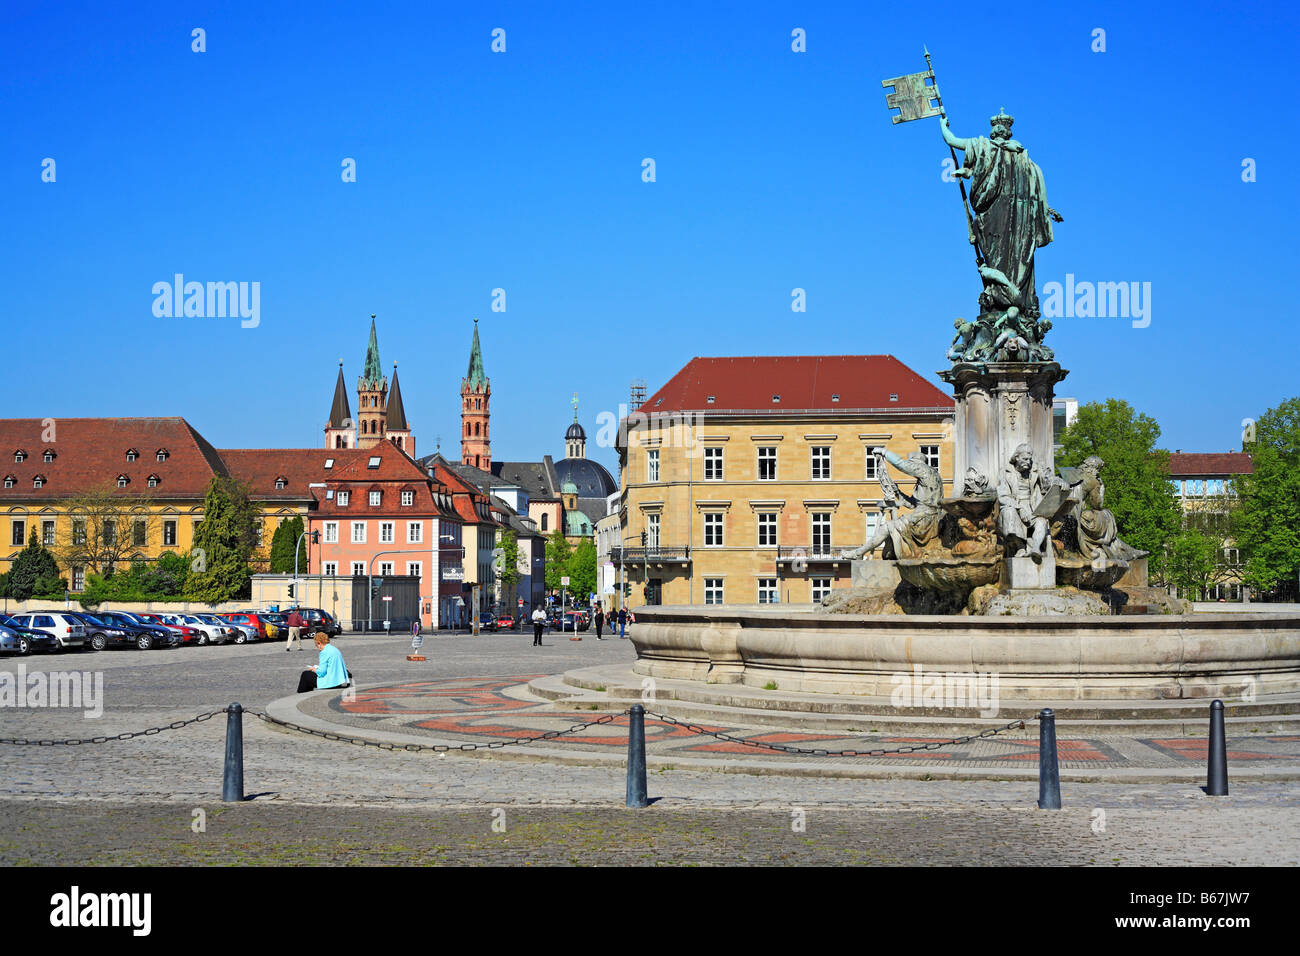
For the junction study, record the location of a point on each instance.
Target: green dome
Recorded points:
(568, 488)
(577, 523)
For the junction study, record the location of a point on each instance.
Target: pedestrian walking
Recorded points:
(600, 622)
(622, 621)
(539, 622)
(295, 623)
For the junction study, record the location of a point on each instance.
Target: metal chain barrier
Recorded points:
(761, 745)
(174, 725)
(436, 748)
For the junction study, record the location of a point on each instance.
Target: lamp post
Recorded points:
(315, 539)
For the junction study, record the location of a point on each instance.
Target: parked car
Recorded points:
(251, 624)
(70, 632)
(317, 620)
(486, 622)
(103, 634)
(146, 634)
(209, 633)
(277, 625)
(228, 630)
(188, 634)
(506, 622)
(16, 638)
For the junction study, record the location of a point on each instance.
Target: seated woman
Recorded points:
(329, 671)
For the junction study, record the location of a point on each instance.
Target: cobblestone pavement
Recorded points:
(698, 816)
(42, 834)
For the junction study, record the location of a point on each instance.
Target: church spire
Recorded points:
(396, 413)
(372, 372)
(476, 375)
(340, 411)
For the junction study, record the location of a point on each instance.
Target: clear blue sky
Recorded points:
(522, 170)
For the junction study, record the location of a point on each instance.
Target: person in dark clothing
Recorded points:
(539, 622)
(600, 622)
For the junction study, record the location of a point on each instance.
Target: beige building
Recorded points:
(744, 478)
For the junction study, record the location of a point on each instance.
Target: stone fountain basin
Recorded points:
(953, 574)
(1138, 657)
(1079, 573)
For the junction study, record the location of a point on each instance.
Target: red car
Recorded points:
(506, 622)
(189, 635)
(249, 619)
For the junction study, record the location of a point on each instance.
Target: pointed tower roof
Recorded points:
(476, 377)
(372, 371)
(396, 413)
(340, 411)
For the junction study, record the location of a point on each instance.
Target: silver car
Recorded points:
(67, 630)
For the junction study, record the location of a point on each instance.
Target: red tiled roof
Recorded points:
(90, 453)
(1184, 464)
(804, 382)
(260, 467)
(465, 495)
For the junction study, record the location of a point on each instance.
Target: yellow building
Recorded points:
(744, 478)
(1205, 483)
(138, 486)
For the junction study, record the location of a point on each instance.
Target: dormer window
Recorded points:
(893, 396)
(122, 481)
(132, 454)
(153, 481)
(20, 456)
(408, 498)
(48, 456)
(375, 498)
(281, 482)
(344, 496)
(835, 397)
(710, 399)
(38, 481)
(162, 454)
(10, 481)
(776, 399)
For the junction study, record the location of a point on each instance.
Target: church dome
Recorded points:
(568, 488)
(575, 432)
(590, 477)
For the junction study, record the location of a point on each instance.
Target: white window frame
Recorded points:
(713, 529)
(819, 590)
(767, 522)
(375, 499)
(343, 498)
(931, 455)
(713, 463)
(415, 569)
(331, 532)
(822, 452)
(385, 569)
(767, 453)
(331, 569)
(408, 498)
(652, 531)
(358, 532)
(869, 472)
(768, 591)
(712, 585)
(387, 532)
(358, 567)
(652, 465)
(414, 532)
(822, 518)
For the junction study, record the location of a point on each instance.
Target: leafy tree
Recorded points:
(1136, 473)
(509, 563)
(223, 544)
(35, 573)
(582, 570)
(558, 553)
(282, 546)
(1268, 521)
(1192, 562)
(105, 527)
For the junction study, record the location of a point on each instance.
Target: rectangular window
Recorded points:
(331, 532)
(47, 533)
(110, 532)
(78, 579)
(873, 519)
(713, 530)
(821, 534)
(358, 532)
(652, 465)
(652, 532)
(820, 588)
(385, 532)
(871, 473)
(821, 463)
(139, 533)
(767, 463)
(358, 567)
(331, 569)
(767, 529)
(169, 533)
(385, 567)
(413, 568)
(931, 455)
(414, 532)
(375, 497)
(767, 591)
(343, 498)
(1178, 487)
(79, 532)
(408, 498)
(20, 534)
(713, 464)
(713, 590)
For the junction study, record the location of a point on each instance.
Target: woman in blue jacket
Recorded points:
(329, 671)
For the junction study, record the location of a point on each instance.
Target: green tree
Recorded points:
(558, 553)
(223, 544)
(509, 563)
(582, 571)
(282, 545)
(1193, 562)
(1268, 521)
(1136, 473)
(35, 573)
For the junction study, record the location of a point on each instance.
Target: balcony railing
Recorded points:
(660, 555)
(810, 555)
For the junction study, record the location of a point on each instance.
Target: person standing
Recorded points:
(622, 621)
(295, 623)
(539, 622)
(600, 622)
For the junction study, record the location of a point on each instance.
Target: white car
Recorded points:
(67, 630)
(211, 631)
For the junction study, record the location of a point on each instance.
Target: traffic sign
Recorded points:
(564, 582)
(388, 597)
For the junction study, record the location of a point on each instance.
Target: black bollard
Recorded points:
(232, 783)
(1049, 771)
(636, 788)
(1216, 781)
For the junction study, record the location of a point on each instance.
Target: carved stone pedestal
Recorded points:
(874, 574)
(1026, 574)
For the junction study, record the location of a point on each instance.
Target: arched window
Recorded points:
(476, 428)
(545, 518)
(467, 432)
